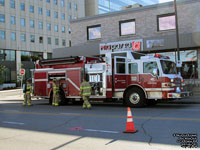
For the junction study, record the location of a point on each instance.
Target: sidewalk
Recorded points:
(14, 94)
(17, 94)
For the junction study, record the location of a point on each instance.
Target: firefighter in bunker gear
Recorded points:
(27, 94)
(85, 92)
(55, 93)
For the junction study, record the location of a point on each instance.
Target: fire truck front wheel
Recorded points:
(135, 98)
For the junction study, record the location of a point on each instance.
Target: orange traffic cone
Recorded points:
(130, 128)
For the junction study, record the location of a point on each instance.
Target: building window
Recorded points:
(2, 35)
(48, 13)
(2, 18)
(56, 41)
(62, 3)
(2, 2)
(22, 22)
(55, 2)
(127, 27)
(12, 19)
(40, 25)
(70, 43)
(25, 56)
(63, 43)
(166, 22)
(48, 26)
(32, 23)
(63, 29)
(48, 1)
(49, 40)
(94, 32)
(12, 3)
(23, 37)
(22, 6)
(69, 30)
(63, 16)
(55, 14)
(49, 55)
(40, 39)
(40, 11)
(13, 36)
(10, 55)
(32, 38)
(7, 74)
(31, 9)
(69, 5)
(69, 18)
(56, 28)
(75, 7)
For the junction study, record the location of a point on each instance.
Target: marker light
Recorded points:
(158, 55)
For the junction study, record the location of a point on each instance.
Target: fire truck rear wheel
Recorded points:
(135, 98)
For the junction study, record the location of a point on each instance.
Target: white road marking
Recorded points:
(18, 123)
(103, 131)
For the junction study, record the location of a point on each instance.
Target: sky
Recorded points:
(163, 1)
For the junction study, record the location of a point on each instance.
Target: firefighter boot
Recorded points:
(29, 104)
(89, 106)
(84, 106)
(24, 104)
(56, 104)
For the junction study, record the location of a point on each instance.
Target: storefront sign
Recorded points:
(132, 45)
(155, 43)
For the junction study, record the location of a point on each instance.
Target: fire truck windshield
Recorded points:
(168, 67)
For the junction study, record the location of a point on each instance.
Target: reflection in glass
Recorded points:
(167, 23)
(127, 28)
(94, 33)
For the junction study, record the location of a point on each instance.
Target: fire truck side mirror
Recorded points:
(155, 72)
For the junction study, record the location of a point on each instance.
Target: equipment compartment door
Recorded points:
(40, 84)
(120, 74)
(73, 82)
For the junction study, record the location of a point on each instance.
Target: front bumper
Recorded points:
(179, 95)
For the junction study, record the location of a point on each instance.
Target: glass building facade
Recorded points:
(105, 6)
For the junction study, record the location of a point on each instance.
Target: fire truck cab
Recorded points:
(135, 78)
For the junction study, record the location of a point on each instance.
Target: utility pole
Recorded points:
(177, 39)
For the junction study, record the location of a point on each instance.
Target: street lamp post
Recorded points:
(177, 38)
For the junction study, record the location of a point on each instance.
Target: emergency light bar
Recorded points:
(161, 56)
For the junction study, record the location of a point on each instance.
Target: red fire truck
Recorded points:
(133, 77)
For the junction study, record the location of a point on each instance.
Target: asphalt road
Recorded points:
(45, 127)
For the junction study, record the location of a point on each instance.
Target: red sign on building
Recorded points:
(136, 45)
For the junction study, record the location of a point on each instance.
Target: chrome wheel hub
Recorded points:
(134, 98)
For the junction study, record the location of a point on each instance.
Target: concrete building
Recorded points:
(95, 7)
(148, 29)
(32, 28)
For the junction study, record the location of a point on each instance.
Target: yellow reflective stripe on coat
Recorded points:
(87, 87)
(28, 89)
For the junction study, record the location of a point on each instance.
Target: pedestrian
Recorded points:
(55, 92)
(27, 93)
(85, 92)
